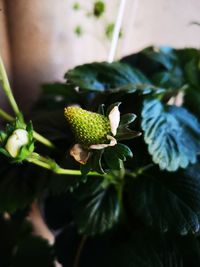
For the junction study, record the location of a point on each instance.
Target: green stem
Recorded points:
(5, 115)
(43, 140)
(7, 89)
(50, 164)
(140, 171)
(36, 135)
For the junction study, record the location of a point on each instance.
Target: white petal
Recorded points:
(114, 118)
(113, 142)
(18, 139)
(79, 153)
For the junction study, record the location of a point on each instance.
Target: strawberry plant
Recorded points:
(114, 165)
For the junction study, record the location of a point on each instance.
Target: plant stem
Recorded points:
(43, 140)
(36, 135)
(140, 171)
(79, 250)
(50, 164)
(7, 89)
(5, 115)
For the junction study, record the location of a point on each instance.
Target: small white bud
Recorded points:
(18, 139)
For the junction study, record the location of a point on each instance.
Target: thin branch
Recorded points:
(7, 89)
(50, 164)
(79, 251)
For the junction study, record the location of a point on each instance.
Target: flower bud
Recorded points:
(14, 143)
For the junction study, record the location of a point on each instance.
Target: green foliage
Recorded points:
(99, 8)
(109, 29)
(19, 185)
(78, 30)
(76, 6)
(166, 201)
(99, 77)
(96, 208)
(172, 135)
(142, 208)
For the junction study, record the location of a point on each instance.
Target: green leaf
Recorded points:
(163, 55)
(99, 77)
(144, 249)
(127, 119)
(189, 59)
(126, 134)
(112, 160)
(168, 201)
(172, 135)
(122, 151)
(161, 65)
(192, 100)
(97, 208)
(85, 168)
(60, 90)
(98, 9)
(142, 88)
(20, 184)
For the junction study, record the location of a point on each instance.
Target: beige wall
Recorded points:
(162, 22)
(42, 44)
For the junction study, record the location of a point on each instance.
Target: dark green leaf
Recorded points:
(192, 100)
(127, 119)
(102, 76)
(85, 168)
(169, 79)
(142, 249)
(172, 135)
(112, 159)
(97, 208)
(122, 151)
(126, 134)
(163, 55)
(101, 109)
(142, 88)
(167, 201)
(20, 184)
(60, 89)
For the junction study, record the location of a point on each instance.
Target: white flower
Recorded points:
(14, 143)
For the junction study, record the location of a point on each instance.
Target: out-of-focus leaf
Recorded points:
(97, 208)
(19, 184)
(172, 135)
(167, 201)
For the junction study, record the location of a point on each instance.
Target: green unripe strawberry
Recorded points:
(88, 127)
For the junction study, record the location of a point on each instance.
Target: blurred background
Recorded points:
(41, 39)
